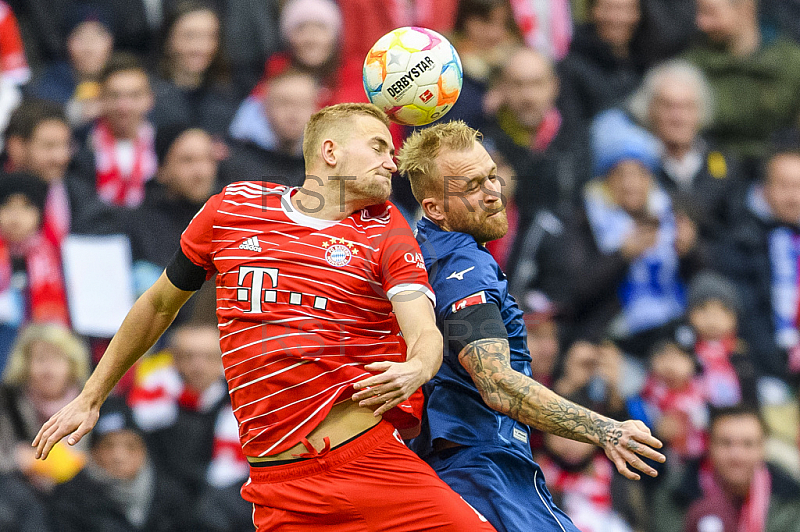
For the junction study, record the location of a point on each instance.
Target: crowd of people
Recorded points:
(649, 159)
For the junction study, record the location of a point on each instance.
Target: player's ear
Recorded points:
(433, 209)
(328, 152)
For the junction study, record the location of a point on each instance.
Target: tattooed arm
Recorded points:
(525, 400)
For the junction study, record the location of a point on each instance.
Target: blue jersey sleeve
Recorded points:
(467, 277)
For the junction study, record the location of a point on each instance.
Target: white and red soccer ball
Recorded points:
(414, 75)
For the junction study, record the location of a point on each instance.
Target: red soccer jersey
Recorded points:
(303, 304)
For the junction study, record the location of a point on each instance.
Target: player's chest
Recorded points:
(333, 259)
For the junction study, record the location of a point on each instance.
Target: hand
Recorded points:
(685, 234)
(642, 238)
(396, 384)
(75, 420)
(624, 441)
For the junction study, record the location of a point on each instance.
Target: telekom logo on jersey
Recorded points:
(270, 296)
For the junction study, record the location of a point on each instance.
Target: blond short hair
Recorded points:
(418, 155)
(329, 118)
(18, 369)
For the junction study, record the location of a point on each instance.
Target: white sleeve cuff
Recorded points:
(411, 287)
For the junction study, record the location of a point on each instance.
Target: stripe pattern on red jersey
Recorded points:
(302, 305)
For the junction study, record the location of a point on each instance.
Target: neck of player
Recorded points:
(327, 202)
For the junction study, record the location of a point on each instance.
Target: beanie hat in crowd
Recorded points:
(297, 12)
(615, 138)
(708, 285)
(115, 416)
(166, 136)
(33, 188)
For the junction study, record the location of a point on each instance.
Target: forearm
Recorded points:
(529, 402)
(525, 400)
(145, 323)
(427, 350)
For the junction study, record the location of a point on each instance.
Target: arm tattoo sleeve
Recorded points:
(527, 401)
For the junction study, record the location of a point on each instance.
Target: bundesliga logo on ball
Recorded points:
(414, 75)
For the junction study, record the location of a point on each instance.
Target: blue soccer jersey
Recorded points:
(463, 273)
(494, 469)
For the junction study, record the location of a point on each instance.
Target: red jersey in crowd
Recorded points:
(13, 65)
(303, 304)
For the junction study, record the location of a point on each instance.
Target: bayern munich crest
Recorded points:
(339, 252)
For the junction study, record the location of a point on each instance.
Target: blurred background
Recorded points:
(651, 160)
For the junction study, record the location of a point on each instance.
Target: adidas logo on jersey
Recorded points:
(250, 244)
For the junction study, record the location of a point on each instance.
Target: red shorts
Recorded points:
(369, 484)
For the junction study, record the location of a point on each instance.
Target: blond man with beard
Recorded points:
(482, 403)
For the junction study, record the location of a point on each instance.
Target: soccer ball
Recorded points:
(414, 75)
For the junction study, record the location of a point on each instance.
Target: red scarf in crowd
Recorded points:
(46, 296)
(592, 485)
(113, 186)
(55, 225)
(719, 381)
(689, 403)
(156, 401)
(753, 513)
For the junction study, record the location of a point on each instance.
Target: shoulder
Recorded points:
(783, 484)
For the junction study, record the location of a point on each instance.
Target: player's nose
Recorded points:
(390, 164)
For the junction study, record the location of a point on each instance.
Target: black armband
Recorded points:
(476, 322)
(185, 274)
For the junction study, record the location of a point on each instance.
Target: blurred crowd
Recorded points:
(650, 156)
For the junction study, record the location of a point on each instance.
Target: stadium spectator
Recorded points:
(583, 482)
(727, 375)
(755, 77)
(251, 35)
(13, 64)
(268, 131)
(366, 21)
(39, 142)
(311, 31)
(733, 488)
(193, 84)
(626, 251)
(549, 154)
(31, 280)
(187, 177)
(760, 255)
(545, 25)
(601, 68)
(593, 372)
(484, 35)
(45, 371)
(543, 341)
(675, 103)
(182, 405)
(673, 400)
(119, 153)
(222, 510)
(548, 157)
(666, 30)
(119, 490)
(74, 82)
(21, 510)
